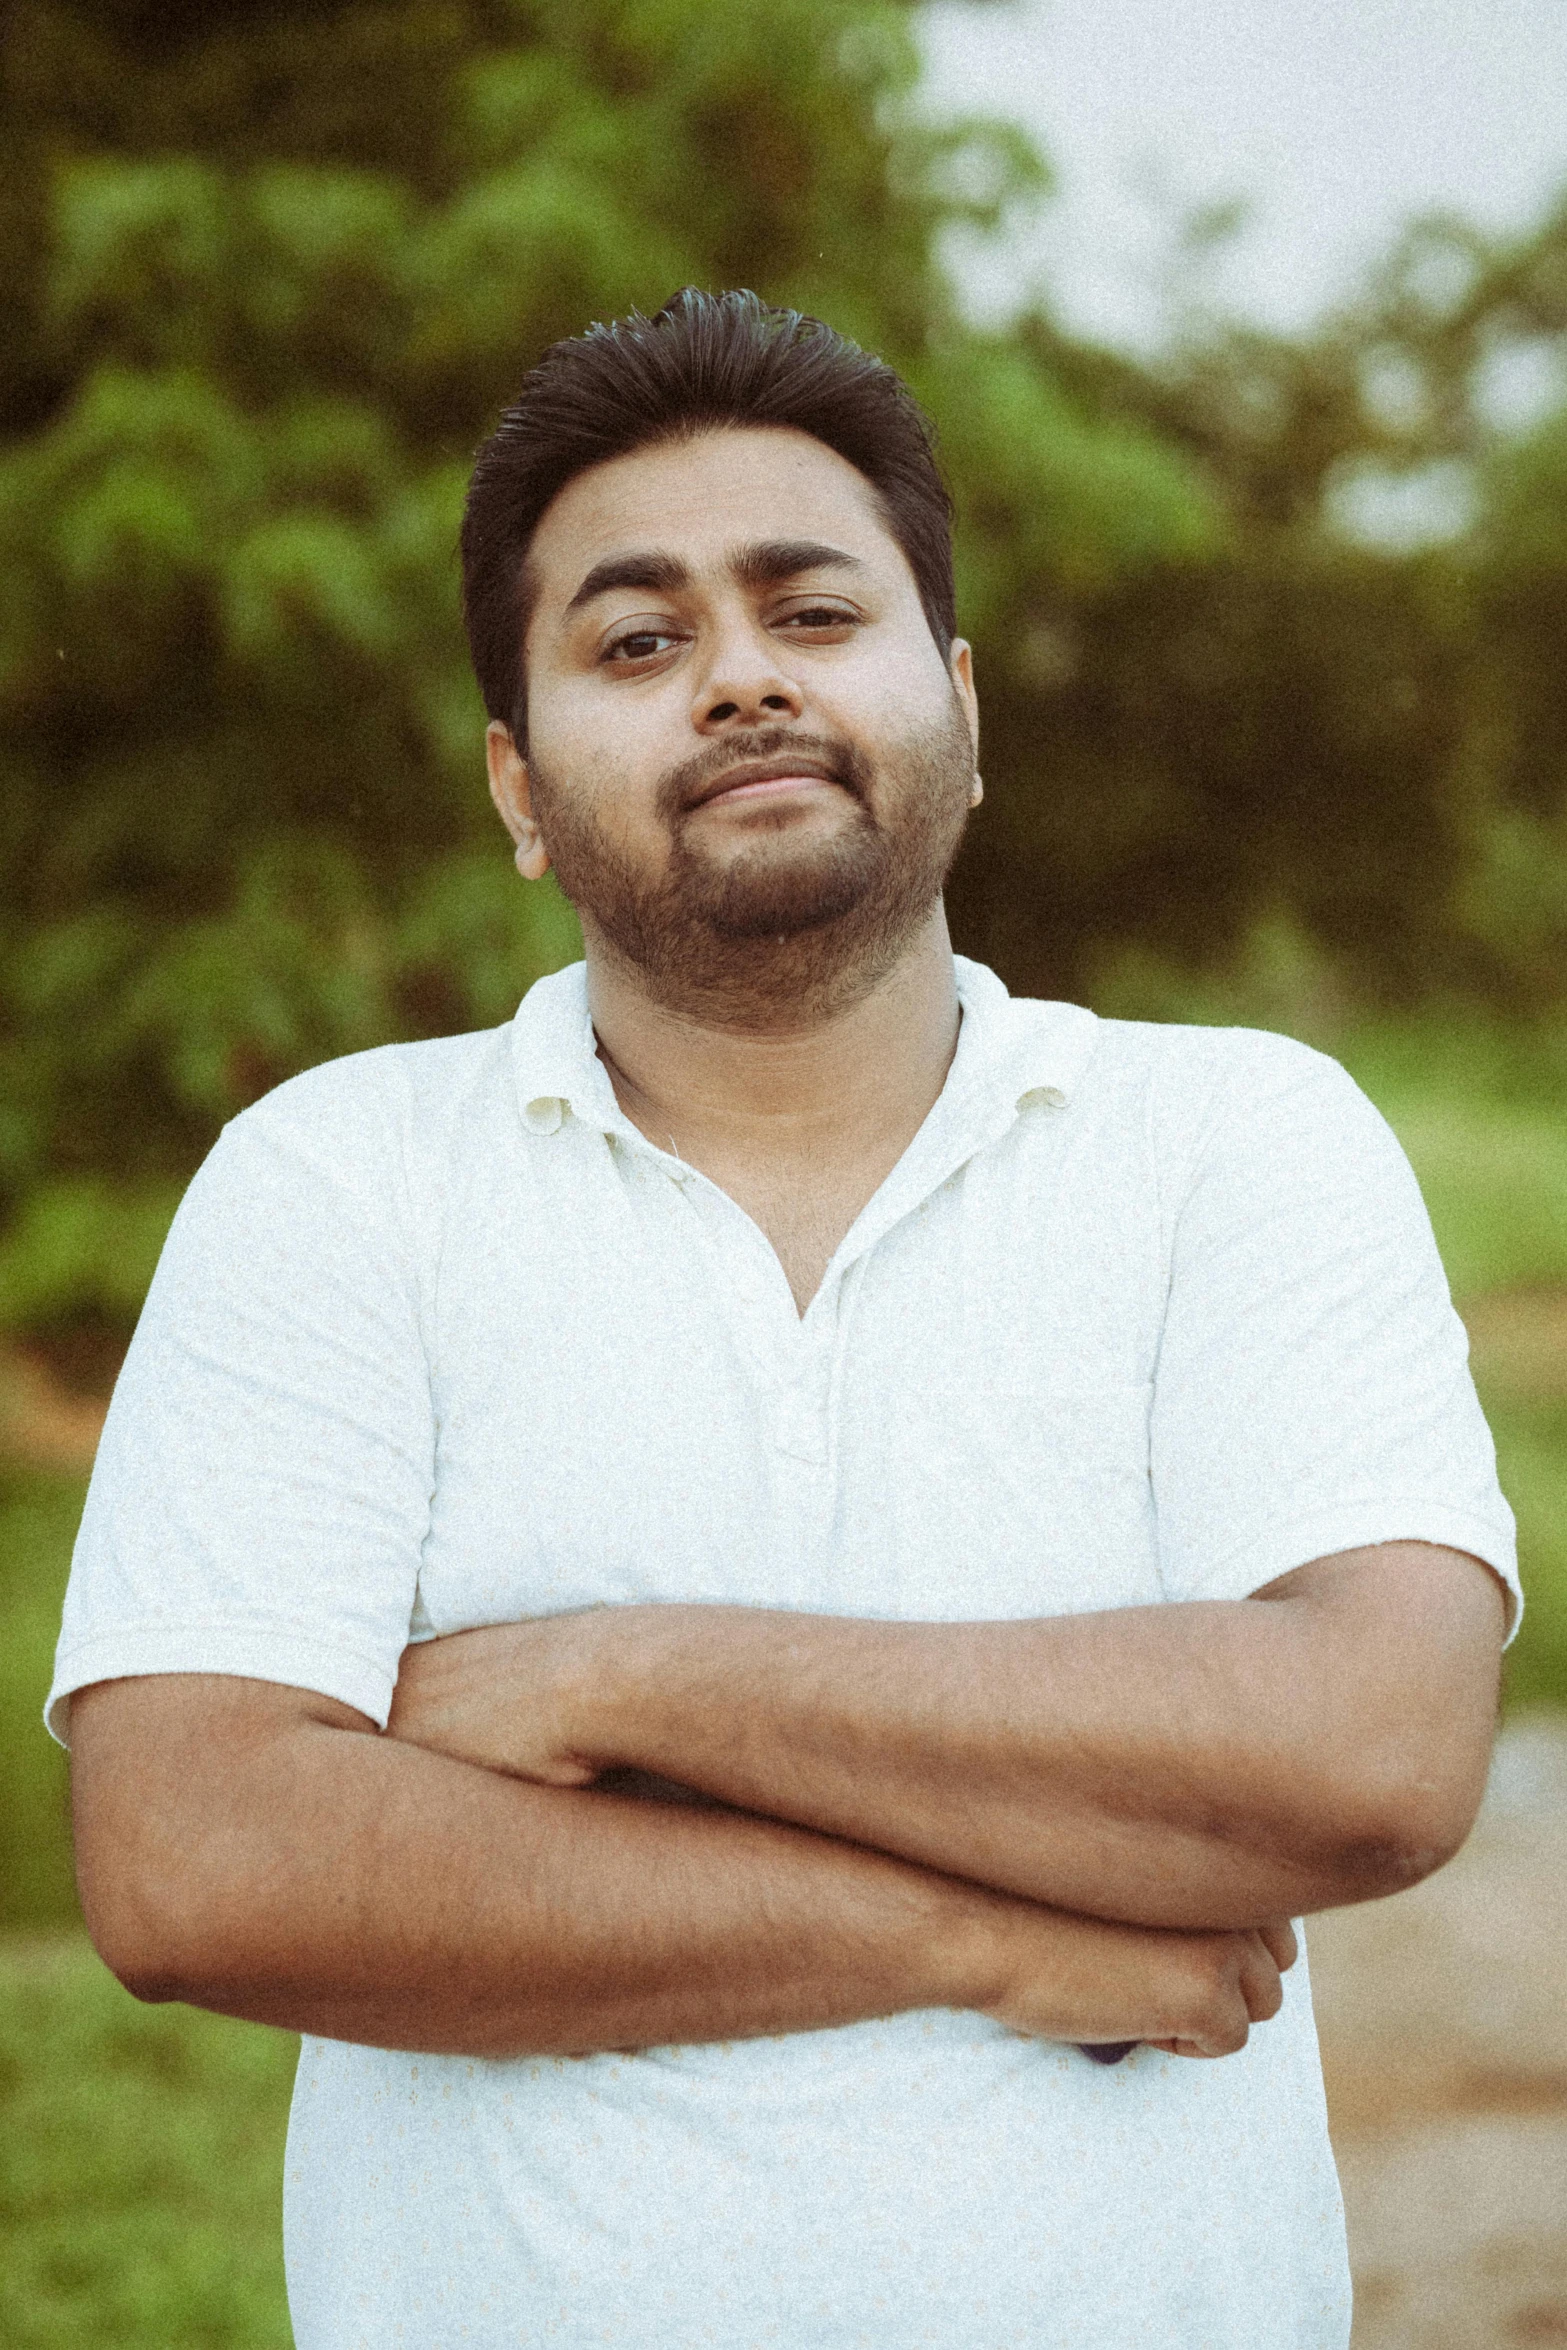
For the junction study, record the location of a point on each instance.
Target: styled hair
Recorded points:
(705, 361)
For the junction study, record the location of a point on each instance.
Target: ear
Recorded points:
(513, 797)
(962, 666)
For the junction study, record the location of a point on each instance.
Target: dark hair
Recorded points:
(705, 360)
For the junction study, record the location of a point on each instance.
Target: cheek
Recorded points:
(583, 731)
(597, 820)
(562, 736)
(585, 772)
(894, 695)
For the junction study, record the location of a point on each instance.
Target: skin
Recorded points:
(1270, 1759)
(1088, 1827)
(261, 1851)
(795, 1070)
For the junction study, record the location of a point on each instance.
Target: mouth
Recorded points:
(760, 779)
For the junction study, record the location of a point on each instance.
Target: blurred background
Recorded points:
(1245, 328)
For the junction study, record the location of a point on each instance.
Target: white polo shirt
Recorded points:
(439, 1340)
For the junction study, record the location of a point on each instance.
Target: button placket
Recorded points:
(802, 1408)
(748, 1282)
(799, 1423)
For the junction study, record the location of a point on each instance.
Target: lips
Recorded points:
(747, 772)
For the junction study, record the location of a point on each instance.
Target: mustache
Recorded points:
(847, 766)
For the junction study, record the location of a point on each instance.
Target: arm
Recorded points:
(259, 1850)
(1204, 1765)
(1207, 1763)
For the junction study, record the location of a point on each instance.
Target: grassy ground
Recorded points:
(141, 2149)
(38, 1517)
(140, 2165)
(1482, 1112)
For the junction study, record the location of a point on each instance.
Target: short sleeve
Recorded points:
(262, 1488)
(1312, 1392)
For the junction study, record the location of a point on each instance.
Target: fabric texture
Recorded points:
(439, 1340)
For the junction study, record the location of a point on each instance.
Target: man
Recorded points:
(739, 1430)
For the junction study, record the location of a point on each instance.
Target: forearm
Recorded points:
(253, 1850)
(1061, 1762)
(1207, 1765)
(306, 1874)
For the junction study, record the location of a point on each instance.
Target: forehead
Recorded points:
(697, 499)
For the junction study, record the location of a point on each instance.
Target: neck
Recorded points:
(843, 1077)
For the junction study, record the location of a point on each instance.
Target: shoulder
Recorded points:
(1175, 1085)
(350, 1117)
(1205, 1086)
(367, 1151)
(1237, 1114)
(1217, 1063)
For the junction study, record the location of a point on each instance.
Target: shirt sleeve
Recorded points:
(262, 1488)
(1312, 1393)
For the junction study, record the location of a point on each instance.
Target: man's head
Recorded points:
(704, 361)
(709, 553)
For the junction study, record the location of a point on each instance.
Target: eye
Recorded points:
(814, 619)
(644, 642)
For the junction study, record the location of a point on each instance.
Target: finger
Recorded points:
(1261, 1987)
(1226, 2037)
(1282, 1945)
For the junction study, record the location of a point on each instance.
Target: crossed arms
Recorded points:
(1089, 1827)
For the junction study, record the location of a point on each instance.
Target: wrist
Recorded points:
(969, 1953)
(604, 1679)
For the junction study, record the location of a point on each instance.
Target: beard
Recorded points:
(798, 919)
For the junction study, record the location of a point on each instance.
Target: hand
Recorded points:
(1088, 1980)
(509, 1697)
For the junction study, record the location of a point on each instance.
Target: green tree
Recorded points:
(1353, 715)
(268, 274)
(266, 278)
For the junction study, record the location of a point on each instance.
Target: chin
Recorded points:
(781, 905)
(769, 891)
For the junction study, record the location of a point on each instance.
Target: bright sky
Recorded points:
(1336, 118)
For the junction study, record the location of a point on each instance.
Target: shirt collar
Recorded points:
(555, 1065)
(1012, 1051)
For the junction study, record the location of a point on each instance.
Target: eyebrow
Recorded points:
(663, 573)
(769, 560)
(762, 564)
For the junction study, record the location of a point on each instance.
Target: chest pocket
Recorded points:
(596, 1448)
(1008, 1501)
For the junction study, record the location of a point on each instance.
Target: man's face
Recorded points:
(747, 760)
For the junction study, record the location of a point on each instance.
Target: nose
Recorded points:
(743, 683)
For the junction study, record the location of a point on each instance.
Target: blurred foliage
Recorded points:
(38, 1519)
(267, 274)
(1269, 633)
(141, 2165)
(1351, 708)
(1531, 1460)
